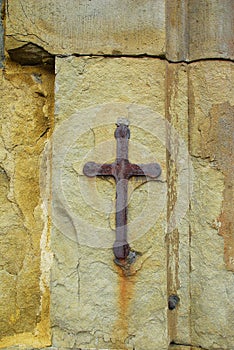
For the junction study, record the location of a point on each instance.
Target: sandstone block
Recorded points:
(199, 29)
(88, 27)
(180, 30)
(25, 116)
(211, 140)
(94, 302)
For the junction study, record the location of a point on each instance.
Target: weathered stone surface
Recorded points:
(211, 24)
(25, 119)
(179, 185)
(193, 30)
(177, 27)
(171, 347)
(198, 29)
(212, 130)
(88, 27)
(1, 35)
(94, 304)
(211, 144)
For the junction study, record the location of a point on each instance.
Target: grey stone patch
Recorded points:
(31, 55)
(1, 35)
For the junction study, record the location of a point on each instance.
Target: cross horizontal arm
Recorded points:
(92, 169)
(152, 170)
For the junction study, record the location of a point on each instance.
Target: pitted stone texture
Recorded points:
(94, 304)
(25, 116)
(211, 142)
(212, 130)
(134, 80)
(88, 27)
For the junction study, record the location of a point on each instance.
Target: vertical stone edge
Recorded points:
(2, 7)
(178, 240)
(177, 30)
(44, 327)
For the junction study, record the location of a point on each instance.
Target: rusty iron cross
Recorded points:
(122, 170)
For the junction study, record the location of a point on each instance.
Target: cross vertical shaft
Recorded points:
(121, 247)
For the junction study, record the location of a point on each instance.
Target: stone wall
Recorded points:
(26, 119)
(71, 69)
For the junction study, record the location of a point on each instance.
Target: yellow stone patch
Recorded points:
(26, 119)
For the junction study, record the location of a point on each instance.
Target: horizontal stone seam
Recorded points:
(161, 57)
(203, 59)
(140, 55)
(187, 345)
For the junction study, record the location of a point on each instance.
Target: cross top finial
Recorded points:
(123, 121)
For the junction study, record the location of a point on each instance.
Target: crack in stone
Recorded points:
(78, 279)
(18, 55)
(190, 346)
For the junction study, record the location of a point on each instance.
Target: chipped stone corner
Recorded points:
(30, 54)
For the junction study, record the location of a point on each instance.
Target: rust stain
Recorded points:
(125, 296)
(220, 148)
